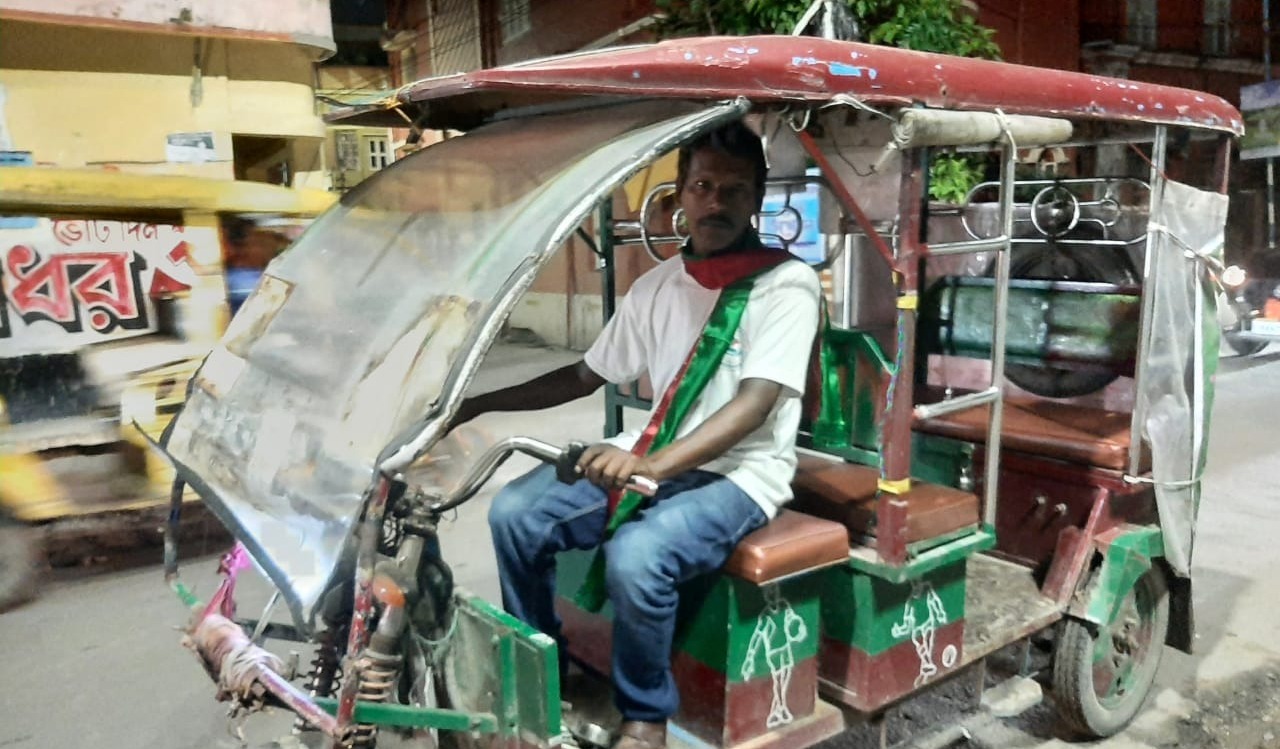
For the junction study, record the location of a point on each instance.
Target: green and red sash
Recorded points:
(734, 273)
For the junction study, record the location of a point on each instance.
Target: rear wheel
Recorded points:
(18, 562)
(1102, 675)
(1055, 262)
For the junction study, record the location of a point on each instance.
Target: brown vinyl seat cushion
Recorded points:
(792, 542)
(1065, 431)
(846, 493)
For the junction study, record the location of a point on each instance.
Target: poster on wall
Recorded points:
(1260, 105)
(789, 218)
(65, 284)
(189, 148)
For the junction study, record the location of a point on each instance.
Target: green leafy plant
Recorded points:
(728, 17)
(952, 176)
(947, 26)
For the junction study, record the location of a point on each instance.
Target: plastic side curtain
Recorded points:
(1176, 391)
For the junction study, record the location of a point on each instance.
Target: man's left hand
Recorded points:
(610, 467)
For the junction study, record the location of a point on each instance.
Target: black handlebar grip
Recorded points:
(567, 465)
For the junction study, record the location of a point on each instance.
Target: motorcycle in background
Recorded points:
(1250, 316)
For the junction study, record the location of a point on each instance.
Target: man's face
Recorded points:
(719, 198)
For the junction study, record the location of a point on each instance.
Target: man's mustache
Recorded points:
(717, 220)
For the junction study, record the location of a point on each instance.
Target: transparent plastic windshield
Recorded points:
(353, 334)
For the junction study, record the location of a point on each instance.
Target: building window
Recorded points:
(377, 152)
(515, 19)
(347, 146)
(1143, 22)
(1217, 27)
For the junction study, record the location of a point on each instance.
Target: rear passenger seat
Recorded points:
(846, 493)
(1052, 429)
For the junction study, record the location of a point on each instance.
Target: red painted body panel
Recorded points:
(869, 682)
(727, 714)
(784, 68)
(1029, 530)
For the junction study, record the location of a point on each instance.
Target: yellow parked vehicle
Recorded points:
(113, 287)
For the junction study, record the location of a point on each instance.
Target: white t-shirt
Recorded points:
(661, 319)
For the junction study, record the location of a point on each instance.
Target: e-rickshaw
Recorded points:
(112, 289)
(1004, 440)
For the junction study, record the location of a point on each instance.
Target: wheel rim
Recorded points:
(1122, 651)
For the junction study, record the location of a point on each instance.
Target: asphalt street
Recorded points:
(96, 660)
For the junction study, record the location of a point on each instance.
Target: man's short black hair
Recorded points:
(734, 139)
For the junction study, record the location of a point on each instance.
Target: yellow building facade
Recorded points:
(146, 87)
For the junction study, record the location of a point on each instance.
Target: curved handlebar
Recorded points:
(564, 460)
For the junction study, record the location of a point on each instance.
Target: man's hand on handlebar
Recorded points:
(610, 467)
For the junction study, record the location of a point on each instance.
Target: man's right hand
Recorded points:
(610, 467)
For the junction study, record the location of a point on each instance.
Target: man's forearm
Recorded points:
(551, 389)
(728, 426)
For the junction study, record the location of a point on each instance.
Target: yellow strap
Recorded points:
(910, 300)
(901, 486)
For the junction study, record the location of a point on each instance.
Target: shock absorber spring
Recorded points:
(379, 673)
(325, 675)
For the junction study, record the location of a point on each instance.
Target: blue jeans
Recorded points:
(689, 529)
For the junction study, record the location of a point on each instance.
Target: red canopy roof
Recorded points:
(788, 68)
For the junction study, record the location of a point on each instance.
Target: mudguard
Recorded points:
(1126, 554)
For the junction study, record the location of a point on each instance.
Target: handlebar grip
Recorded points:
(567, 465)
(567, 471)
(642, 485)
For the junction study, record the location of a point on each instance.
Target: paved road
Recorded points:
(95, 662)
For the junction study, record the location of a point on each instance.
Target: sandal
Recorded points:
(637, 734)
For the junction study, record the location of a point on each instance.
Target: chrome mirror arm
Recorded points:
(488, 463)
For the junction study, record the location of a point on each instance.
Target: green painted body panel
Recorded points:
(937, 557)
(724, 627)
(854, 368)
(868, 612)
(506, 669)
(934, 460)
(405, 716)
(1128, 558)
(1046, 322)
(940, 460)
(571, 572)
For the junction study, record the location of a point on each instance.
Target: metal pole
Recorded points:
(1271, 162)
(608, 302)
(846, 283)
(1149, 270)
(999, 332)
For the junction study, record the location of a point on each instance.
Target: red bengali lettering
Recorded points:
(41, 290)
(64, 288)
(69, 232)
(106, 285)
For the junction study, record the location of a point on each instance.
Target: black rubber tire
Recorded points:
(1144, 617)
(19, 562)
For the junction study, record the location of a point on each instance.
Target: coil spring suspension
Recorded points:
(378, 676)
(325, 675)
